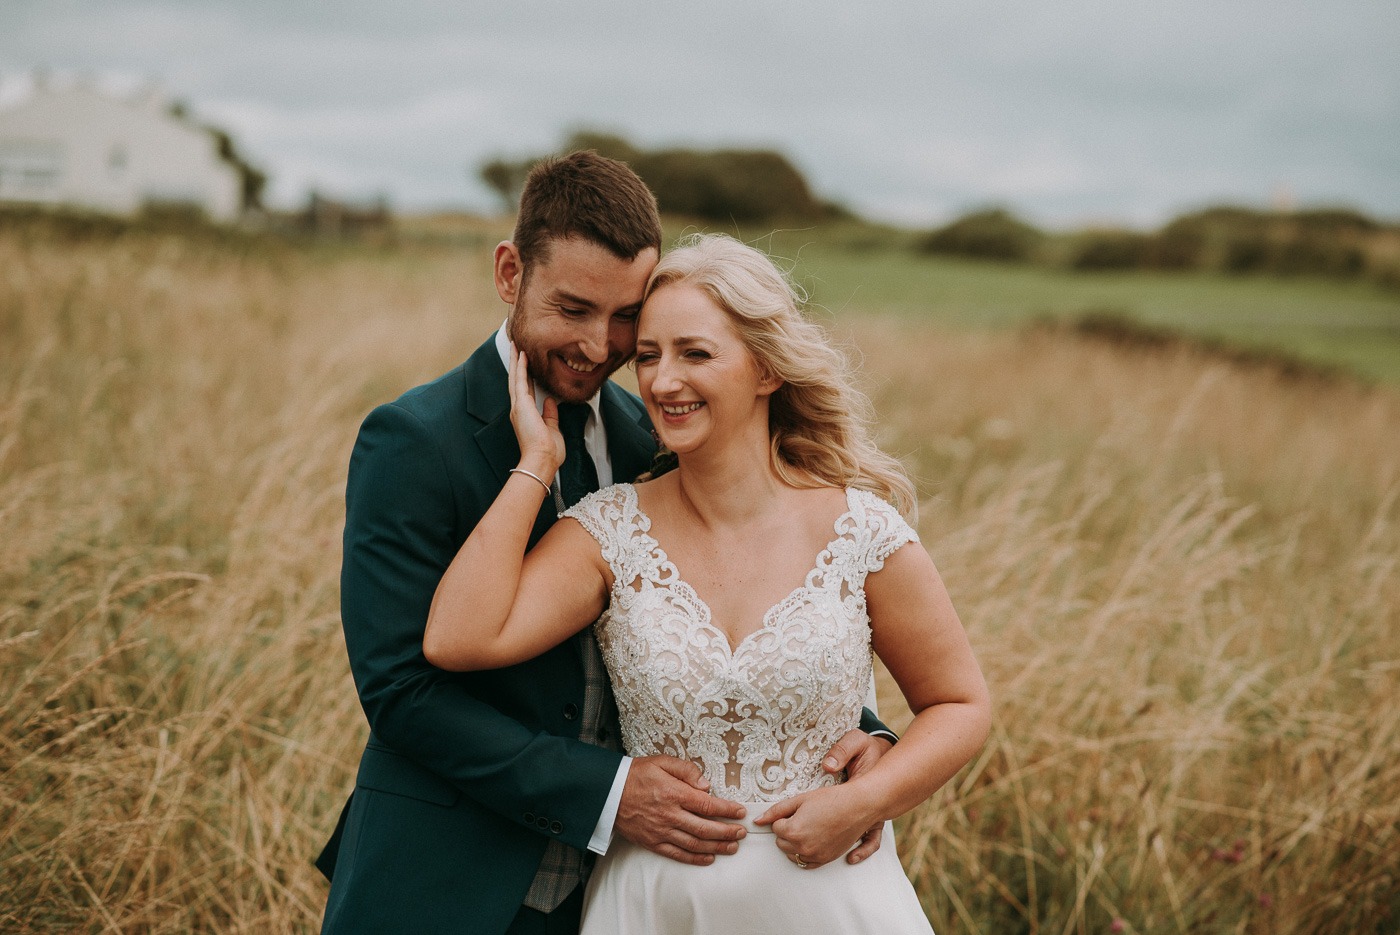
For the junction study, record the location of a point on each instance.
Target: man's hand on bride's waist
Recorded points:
(666, 808)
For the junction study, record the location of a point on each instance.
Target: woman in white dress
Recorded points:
(737, 599)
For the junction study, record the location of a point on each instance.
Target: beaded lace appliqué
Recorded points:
(757, 718)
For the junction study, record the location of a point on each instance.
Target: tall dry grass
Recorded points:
(1180, 579)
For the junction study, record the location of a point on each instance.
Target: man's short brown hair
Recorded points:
(585, 195)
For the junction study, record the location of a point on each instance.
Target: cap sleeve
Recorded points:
(884, 530)
(609, 516)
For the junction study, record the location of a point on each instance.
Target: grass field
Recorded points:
(1180, 576)
(1351, 324)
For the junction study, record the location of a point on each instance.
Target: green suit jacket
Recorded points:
(466, 776)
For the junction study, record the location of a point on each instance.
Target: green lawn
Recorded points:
(1354, 325)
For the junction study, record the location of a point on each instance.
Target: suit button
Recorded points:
(570, 712)
(557, 827)
(529, 818)
(542, 823)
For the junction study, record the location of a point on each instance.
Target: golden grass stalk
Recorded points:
(1180, 578)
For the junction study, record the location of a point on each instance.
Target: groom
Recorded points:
(481, 797)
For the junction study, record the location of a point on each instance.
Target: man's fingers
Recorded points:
(663, 811)
(869, 844)
(685, 857)
(711, 807)
(843, 750)
(699, 844)
(856, 752)
(695, 837)
(685, 771)
(697, 828)
(693, 795)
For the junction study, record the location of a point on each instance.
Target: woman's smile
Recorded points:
(678, 411)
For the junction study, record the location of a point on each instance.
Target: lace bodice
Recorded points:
(757, 718)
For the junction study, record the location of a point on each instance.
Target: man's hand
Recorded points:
(857, 752)
(666, 808)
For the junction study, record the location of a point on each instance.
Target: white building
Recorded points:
(76, 146)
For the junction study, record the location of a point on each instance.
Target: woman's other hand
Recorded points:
(820, 826)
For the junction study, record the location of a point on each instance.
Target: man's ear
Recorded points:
(508, 271)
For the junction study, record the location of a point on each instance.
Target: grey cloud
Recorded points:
(910, 109)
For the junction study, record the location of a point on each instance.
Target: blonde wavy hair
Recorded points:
(819, 422)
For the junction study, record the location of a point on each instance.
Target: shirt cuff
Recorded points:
(603, 831)
(889, 735)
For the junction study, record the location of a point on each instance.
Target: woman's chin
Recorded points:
(674, 442)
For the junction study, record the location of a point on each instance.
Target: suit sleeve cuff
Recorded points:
(603, 831)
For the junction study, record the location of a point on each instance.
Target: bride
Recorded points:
(738, 598)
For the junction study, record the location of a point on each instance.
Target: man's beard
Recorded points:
(564, 390)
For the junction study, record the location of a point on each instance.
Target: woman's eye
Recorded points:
(645, 359)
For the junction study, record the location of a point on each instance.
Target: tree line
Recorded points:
(1335, 242)
(760, 186)
(721, 185)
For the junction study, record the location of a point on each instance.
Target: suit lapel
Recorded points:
(630, 443)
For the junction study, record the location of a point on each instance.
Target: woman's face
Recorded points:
(698, 380)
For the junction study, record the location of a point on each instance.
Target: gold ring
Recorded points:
(800, 862)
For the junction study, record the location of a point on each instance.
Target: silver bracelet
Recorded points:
(520, 470)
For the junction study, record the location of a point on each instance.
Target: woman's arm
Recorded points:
(496, 606)
(917, 635)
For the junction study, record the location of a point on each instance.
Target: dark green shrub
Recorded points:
(1176, 248)
(1109, 250)
(727, 185)
(1311, 255)
(1245, 252)
(1335, 221)
(1316, 242)
(724, 185)
(992, 234)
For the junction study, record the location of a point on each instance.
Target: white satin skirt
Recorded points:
(759, 890)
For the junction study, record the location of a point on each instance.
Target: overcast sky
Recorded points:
(907, 110)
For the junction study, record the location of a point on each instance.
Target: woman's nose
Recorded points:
(666, 378)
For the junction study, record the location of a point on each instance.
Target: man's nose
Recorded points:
(593, 341)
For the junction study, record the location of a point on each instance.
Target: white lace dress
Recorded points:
(757, 718)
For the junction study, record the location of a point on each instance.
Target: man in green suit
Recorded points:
(481, 797)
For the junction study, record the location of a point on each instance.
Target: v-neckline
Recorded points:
(676, 580)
